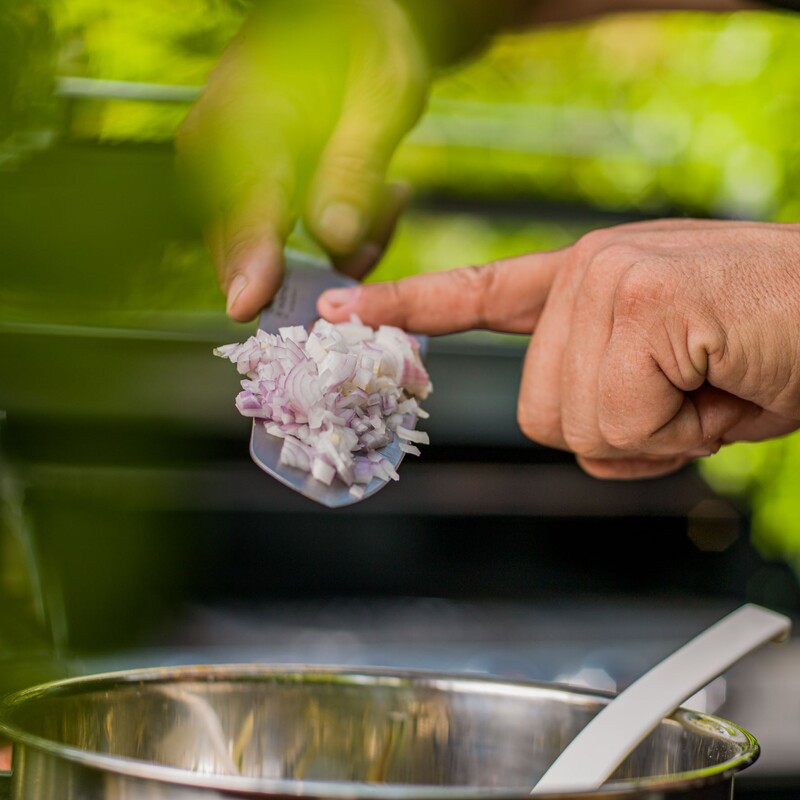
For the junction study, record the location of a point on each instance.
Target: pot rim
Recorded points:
(350, 675)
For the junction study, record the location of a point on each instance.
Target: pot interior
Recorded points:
(367, 727)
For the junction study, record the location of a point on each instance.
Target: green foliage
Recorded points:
(691, 112)
(768, 475)
(174, 42)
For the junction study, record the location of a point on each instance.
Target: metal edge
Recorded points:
(147, 771)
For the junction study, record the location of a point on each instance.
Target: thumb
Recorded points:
(504, 295)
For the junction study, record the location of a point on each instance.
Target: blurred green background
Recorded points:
(544, 137)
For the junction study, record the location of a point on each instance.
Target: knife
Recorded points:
(295, 303)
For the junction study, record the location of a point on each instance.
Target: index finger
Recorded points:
(505, 295)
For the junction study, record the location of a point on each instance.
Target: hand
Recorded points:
(301, 116)
(653, 343)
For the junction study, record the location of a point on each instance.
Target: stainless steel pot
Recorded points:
(361, 734)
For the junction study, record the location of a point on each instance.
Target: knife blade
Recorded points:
(296, 304)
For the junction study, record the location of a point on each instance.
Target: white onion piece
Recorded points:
(335, 395)
(412, 436)
(297, 333)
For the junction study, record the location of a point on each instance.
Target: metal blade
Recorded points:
(296, 304)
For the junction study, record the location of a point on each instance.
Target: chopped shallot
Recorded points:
(335, 394)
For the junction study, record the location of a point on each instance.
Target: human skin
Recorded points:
(304, 110)
(652, 343)
(299, 119)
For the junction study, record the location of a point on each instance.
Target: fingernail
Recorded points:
(342, 225)
(236, 287)
(341, 298)
(700, 452)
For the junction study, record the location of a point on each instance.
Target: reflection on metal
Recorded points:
(590, 678)
(336, 733)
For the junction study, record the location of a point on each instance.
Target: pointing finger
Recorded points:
(504, 295)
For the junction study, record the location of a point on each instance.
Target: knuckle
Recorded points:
(394, 294)
(245, 239)
(353, 168)
(537, 427)
(620, 425)
(592, 242)
(281, 191)
(580, 441)
(623, 437)
(475, 278)
(385, 109)
(388, 302)
(615, 253)
(527, 421)
(641, 289)
(268, 198)
(238, 244)
(477, 285)
(252, 208)
(602, 252)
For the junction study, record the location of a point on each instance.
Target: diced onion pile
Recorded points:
(334, 395)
